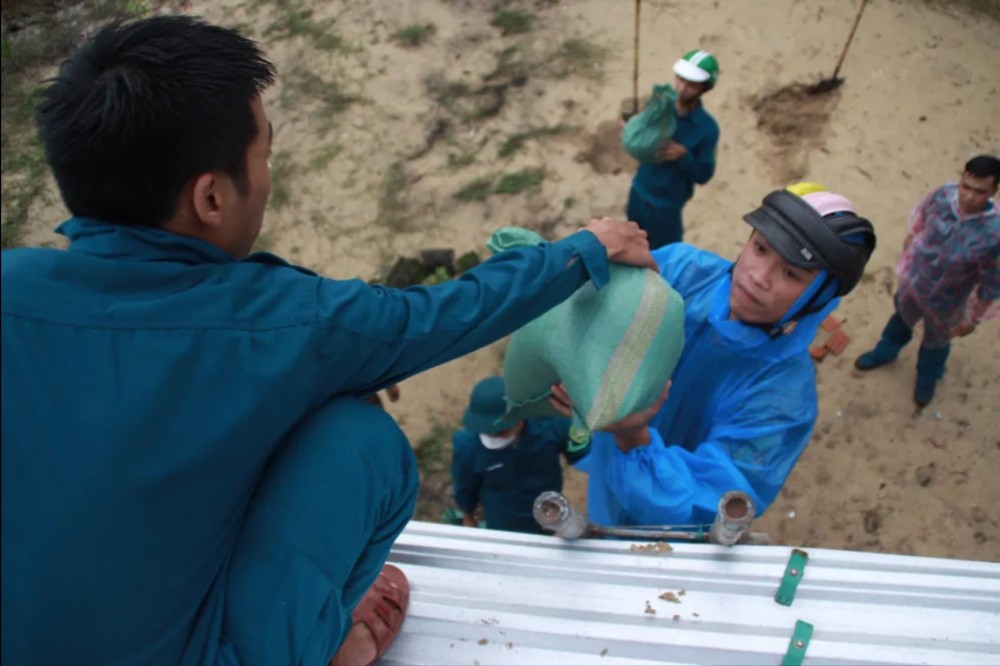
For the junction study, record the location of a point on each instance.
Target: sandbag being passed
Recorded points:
(612, 349)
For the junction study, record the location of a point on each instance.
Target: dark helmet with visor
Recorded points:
(817, 231)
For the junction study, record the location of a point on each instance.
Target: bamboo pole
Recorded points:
(843, 54)
(635, 60)
(826, 85)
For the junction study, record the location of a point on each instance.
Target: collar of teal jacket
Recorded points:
(138, 243)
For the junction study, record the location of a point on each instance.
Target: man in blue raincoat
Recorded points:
(742, 401)
(189, 473)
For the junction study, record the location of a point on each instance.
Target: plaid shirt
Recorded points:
(952, 265)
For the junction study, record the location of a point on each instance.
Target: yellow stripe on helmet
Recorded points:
(803, 188)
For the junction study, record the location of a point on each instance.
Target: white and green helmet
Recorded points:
(698, 66)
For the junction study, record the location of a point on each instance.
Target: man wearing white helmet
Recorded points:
(742, 402)
(660, 190)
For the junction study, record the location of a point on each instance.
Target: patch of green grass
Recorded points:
(489, 101)
(294, 19)
(439, 276)
(22, 159)
(477, 190)
(45, 36)
(414, 35)
(19, 145)
(568, 203)
(465, 101)
(26, 51)
(520, 181)
(243, 27)
(432, 451)
(330, 93)
(977, 8)
(281, 171)
(446, 92)
(321, 159)
(459, 160)
(107, 10)
(512, 21)
(515, 142)
(302, 85)
(18, 196)
(510, 66)
(467, 262)
(456, 89)
(433, 454)
(579, 57)
(391, 199)
(510, 183)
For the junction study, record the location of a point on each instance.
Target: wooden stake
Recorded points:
(635, 59)
(843, 54)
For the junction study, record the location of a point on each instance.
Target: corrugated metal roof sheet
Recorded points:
(488, 597)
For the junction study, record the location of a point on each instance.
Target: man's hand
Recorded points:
(673, 151)
(625, 242)
(630, 433)
(469, 520)
(907, 241)
(560, 401)
(963, 329)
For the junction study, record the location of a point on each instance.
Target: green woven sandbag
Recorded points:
(649, 130)
(612, 349)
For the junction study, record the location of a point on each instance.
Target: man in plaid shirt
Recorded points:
(949, 273)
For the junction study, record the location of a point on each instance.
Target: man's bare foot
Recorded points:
(377, 620)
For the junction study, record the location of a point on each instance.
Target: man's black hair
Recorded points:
(143, 107)
(984, 166)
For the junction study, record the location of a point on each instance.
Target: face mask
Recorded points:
(493, 443)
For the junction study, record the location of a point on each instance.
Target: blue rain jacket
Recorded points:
(740, 411)
(507, 481)
(671, 184)
(147, 380)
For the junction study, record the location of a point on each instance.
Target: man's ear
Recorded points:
(207, 198)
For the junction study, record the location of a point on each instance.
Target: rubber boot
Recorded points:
(894, 338)
(930, 368)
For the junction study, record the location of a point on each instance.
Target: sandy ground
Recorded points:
(920, 98)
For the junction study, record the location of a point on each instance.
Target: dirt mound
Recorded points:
(603, 150)
(794, 120)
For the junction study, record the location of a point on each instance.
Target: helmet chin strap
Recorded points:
(820, 292)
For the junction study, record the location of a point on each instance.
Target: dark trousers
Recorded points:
(934, 350)
(663, 226)
(317, 534)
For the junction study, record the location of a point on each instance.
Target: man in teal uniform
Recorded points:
(660, 189)
(188, 472)
(505, 465)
